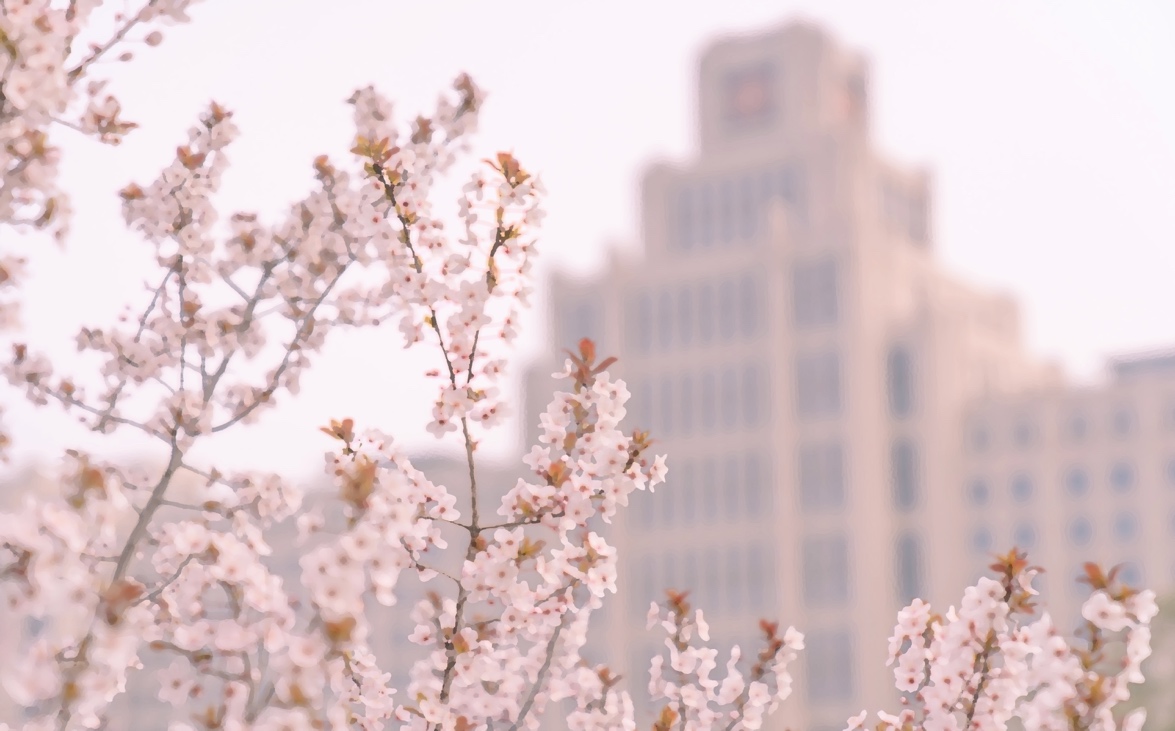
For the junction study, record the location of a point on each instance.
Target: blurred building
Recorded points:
(1078, 474)
(807, 364)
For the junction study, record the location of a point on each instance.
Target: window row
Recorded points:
(1124, 527)
(1120, 475)
(1023, 537)
(822, 466)
(731, 579)
(719, 212)
(706, 313)
(827, 571)
(707, 492)
(1076, 428)
(701, 403)
(696, 313)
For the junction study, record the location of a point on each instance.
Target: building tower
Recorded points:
(796, 350)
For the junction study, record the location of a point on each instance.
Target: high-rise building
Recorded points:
(794, 346)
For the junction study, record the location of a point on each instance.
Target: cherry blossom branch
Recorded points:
(114, 40)
(540, 678)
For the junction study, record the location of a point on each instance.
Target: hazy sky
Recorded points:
(1050, 129)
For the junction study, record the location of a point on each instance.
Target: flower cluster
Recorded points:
(993, 659)
(41, 73)
(693, 698)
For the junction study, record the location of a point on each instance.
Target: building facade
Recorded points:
(794, 346)
(1075, 475)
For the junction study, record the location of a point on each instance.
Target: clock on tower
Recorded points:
(749, 97)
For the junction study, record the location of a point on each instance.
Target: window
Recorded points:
(727, 311)
(1024, 433)
(690, 570)
(1024, 536)
(711, 580)
(752, 397)
(899, 382)
(638, 599)
(1122, 476)
(706, 313)
(640, 334)
(729, 399)
(828, 656)
(765, 189)
(756, 487)
(826, 570)
(747, 210)
(731, 488)
(980, 438)
(1077, 428)
(1123, 421)
(685, 406)
(709, 401)
(981, 540)
(760, 590)
(668, 505)
(822, 476)
(734, 578)
(1080, 531)
(918, 219)
(669, 577)
(1125, 526)
(685, 316)
(709, 489)
(786, 185)
(1076, 481)
(666, 406)
(665, 321)
(818, 384)
(814, 288)
(909, 568)
(642, 403)
(1021, 488)
(1132, 574)
(726, 211)
(904, 463)
(685, 217)
(749, 306)
(705, 219)
(1171, 470)
(688, 492)
(979, 492)
(580, 320)
(644, 506)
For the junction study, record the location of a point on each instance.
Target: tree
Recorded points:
(123, 564)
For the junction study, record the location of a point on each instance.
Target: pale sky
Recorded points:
(1049, 127)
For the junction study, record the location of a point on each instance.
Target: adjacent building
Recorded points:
(1075, 475)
